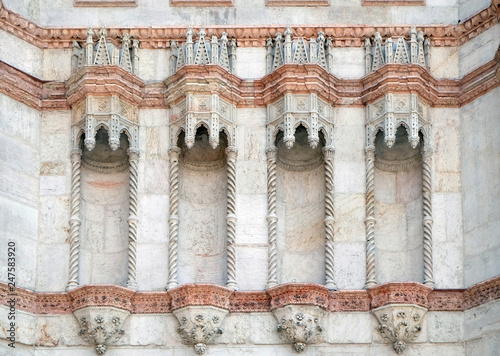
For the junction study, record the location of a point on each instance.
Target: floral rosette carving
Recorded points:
(400, 324)
(300, 325)
(101, 326)
(200, 326)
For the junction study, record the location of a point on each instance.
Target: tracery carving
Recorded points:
(203, 51)
(399, 324)
(105, 52)
(300, 325)
(101, 326)
(200, 326)
(285, 50)
(415, 51)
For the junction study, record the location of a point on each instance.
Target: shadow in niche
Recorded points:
(398, 209)
(300, 190)
(104, 211)
(202, 210)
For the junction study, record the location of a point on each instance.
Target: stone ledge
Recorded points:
(205, 3)
(297, 3)
(105, 3)
(393, 3)
(256, 301)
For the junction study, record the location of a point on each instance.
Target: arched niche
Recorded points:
(104, 210)
(399, 189)
(202, 255)
(398, 208)
(300, 196)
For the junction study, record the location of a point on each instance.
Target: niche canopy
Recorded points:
(110, 112)
(209, 110)
(393, 110)
(287, 113)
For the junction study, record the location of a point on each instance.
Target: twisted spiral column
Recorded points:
(133, 158)
(272, 218)
(231, 154)
(74, 221)
(370, 217)
(427, 215)
(173, 219)
(329, 218)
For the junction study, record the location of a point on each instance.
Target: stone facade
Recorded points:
(246, 187)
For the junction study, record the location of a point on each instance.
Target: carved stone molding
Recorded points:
(200, 326)
(105, 52)
(292, 110)
(398, 50)
(203, 51)
(399, 324)
(300, 325)
(299, 51)
(257, 301)
(200, 295)
(400, 293)
(248, 36)
(101, 326)
(298, 294)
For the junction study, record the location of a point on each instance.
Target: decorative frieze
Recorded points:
(101, 326)
(300, 325)
(203, 50)
(200, 326)
(415, 51)
(283, 50)
(105, 52)
(399, 324)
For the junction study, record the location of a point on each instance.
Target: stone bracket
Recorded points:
(200, 325)
(101, 326)
(300, 325)
(399, 324)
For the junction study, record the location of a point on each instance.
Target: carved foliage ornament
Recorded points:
(288, 113)
(104, 52)
(285, 50)
(200, 326)
(415, 51)
(101, 326)
(203, 51)
(300, 325)
(399, 324)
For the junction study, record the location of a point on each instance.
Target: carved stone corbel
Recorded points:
(101, 326)
(200, 325)
(300, 325)
(399, 324)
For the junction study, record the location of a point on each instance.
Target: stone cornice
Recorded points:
(253, 36)
(296, 78)
(255, 301)
(105, 80)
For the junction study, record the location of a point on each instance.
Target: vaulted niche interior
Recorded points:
(300, 190)
(104, 212)
(398, 208)
(202, 209)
